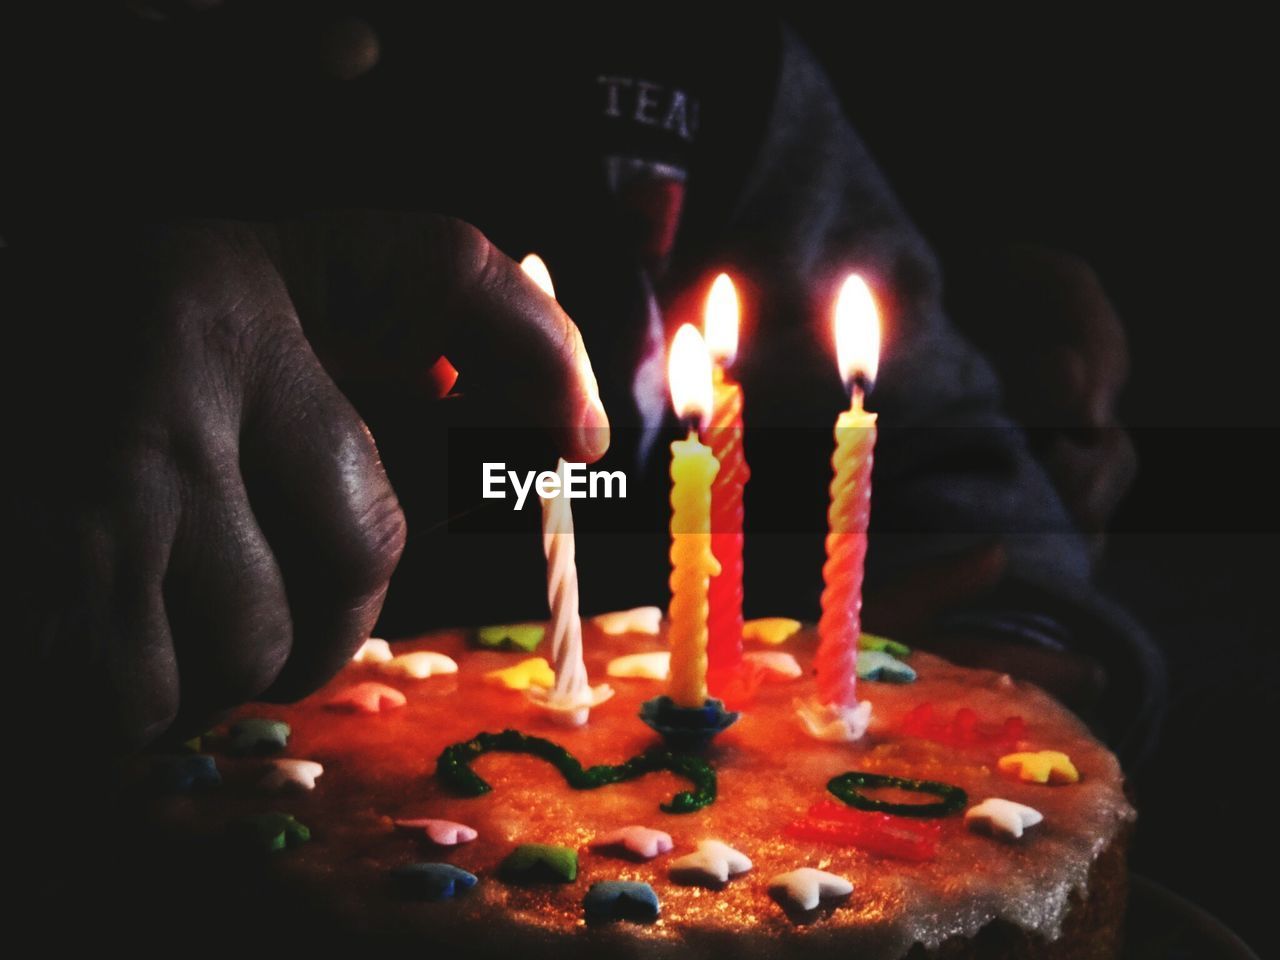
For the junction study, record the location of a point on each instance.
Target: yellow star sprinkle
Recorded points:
(1047, 766)
(534, 672)
(772, 630)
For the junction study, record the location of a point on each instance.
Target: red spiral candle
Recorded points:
(725, 675)
(724, 622)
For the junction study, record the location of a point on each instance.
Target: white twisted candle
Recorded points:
(572, 696)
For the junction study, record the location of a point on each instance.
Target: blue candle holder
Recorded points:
(686, 728)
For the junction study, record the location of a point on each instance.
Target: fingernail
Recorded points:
(593, 432)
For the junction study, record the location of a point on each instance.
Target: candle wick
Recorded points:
(693, 424)
(857, 387)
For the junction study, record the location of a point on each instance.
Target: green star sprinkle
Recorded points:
(270, 832)
(869, 641)
(255, 736)
(511, 636)
(878, 665)
(540, 863)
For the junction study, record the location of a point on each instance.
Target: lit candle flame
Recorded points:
(538, 273)
(689, 374)
(720, 320)
(857, 332)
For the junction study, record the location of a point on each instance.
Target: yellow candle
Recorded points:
(693, 468)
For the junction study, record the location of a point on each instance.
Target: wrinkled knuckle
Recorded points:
(261, 664)
(381, 532)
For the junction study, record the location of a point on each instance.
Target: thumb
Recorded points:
(382, 296)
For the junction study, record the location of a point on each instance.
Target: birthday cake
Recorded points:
(422, 799)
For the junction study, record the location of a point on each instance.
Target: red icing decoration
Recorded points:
(900, 838)
(965, 729)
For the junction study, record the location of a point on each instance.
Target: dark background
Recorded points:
(1137, 142)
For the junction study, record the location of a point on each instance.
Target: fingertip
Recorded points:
(593, 432)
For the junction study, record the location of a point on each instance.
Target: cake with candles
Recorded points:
(681, 786)
(423, 799)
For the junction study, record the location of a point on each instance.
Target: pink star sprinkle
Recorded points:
(368, 697)
(444, 833)
(638, 841)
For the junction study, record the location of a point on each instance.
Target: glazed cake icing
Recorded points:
(380, 768)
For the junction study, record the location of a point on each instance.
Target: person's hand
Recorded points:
(204, 516)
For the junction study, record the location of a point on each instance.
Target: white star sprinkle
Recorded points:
(645, 666)
(419, 665)
(807, 887)
(713, 863)
(638, 841)
(1001, 818)
(373, 650)
(284, 775)
(782, 665)
(644, 620)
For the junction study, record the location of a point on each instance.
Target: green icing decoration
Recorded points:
(846, 787)
(869, 641)
(454, 768)
(271, 832)
(540, 863)
(512, 636)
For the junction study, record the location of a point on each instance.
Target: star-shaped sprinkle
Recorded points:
(432, 881)
(443, 833)
(883, 667)
(655, 665)
(805, 888)
(1046, 766)
(256, 736)
(643, 843)
(512, 636)
(773, 630)
(527, 673)
(367, 697)
(869, 641)
(644, 620)
(373, 650)
(270, 832)
(630, 900)
(1001, 818)
(189, 773)
(540, 863)
(775, 664)
(712, 864)
(419, 665)
(832, 722)
(285, 775)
